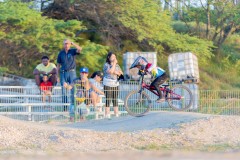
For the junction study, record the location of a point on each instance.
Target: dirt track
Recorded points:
(206, 137)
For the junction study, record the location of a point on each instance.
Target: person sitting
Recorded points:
(158, 75)
(82, 87)
(81, 83)
(45, 68)
(46, 88)
(96, 89)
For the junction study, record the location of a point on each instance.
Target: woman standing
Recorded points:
(111, 71)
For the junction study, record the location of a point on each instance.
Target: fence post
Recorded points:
(29, 108)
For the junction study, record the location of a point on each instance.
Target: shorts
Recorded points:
(111, 94)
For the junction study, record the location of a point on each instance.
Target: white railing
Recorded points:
(25, 102)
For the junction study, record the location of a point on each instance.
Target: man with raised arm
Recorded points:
(66, 64)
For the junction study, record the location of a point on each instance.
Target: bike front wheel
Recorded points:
(137, 103)
(180, 98)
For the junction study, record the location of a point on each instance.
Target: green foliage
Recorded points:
(191, 28)
(93, 56)
(132, 25)
(180, 27)
(31, 35)
(223, 17)
(27, 28)
(3, 69)
(153, 24)
(231, 48)
(220, 74)
(72, 1)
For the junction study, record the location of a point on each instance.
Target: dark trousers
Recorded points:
(111, 94)
(157, 82)
(67, 77)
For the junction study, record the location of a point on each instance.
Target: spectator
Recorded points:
(45, 68)
(46, 88)
(82, 83)
(82, 86)
(96, 89)
(111, 71)
(66, 65)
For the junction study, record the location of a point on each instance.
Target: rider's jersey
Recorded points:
(154, 71)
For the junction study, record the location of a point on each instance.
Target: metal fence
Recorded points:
(25, 103)
(221, 102)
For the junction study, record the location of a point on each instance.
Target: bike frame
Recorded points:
(164, 89)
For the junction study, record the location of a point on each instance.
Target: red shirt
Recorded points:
(46, 86)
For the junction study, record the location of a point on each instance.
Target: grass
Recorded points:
(154, 147)
(219, 102)
(219, 147)
(216, 76)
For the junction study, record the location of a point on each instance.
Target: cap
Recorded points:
(84, 69)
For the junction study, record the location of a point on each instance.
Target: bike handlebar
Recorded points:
(142, 72)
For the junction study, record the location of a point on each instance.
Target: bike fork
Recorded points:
(140, 95)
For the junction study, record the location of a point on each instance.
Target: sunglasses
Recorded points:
(100, 76)
(84, 72)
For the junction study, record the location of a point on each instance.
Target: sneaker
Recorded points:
(99, 110)
(96, 116)
(159, 100)
(87, 110)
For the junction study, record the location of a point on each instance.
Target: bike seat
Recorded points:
(164, 85)
(153, 88)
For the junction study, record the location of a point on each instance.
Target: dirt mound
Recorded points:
(217, 133)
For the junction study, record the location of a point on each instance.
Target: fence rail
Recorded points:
(25, 103)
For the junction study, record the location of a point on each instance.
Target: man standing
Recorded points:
(66, 64)
(45, 68)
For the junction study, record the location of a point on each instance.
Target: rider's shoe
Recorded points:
(159, 100)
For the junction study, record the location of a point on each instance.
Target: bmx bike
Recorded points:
(138, 102)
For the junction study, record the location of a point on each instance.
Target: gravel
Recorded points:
(188, 132)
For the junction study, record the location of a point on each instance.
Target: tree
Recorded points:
(221, 18)
(25, 36)
(150, 23)
(144, 22)
(227, 20)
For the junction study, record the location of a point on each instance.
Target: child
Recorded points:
(158, 75)
(46, 88)
(82, 84)
(82, 90)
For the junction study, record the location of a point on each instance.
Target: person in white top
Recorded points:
(111, 72)
(96, 89)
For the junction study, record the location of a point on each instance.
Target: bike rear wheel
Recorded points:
(137, 104)
(180, 98)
